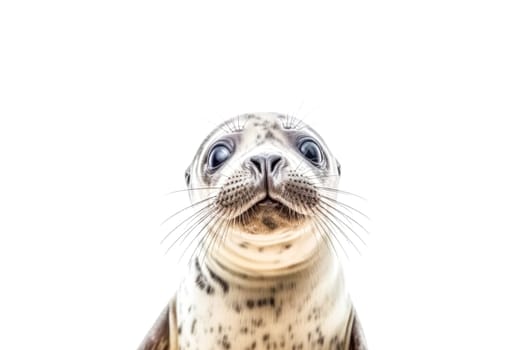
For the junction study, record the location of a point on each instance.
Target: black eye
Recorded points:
(218, 155)
(311, 151)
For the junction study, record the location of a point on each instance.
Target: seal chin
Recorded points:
(268, 216)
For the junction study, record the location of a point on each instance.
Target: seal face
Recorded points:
(268, 171)
(264, 274)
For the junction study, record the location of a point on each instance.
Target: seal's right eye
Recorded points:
(218, 155)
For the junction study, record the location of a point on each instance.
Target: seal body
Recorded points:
(264, 273)
(304, 310)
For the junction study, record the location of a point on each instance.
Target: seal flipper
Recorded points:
(354, 337)
(163, 335)
(357, 337)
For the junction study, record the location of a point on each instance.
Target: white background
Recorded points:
(103, 104)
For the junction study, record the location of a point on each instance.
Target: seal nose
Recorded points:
(266, 164)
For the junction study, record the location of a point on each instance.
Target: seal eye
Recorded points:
(311, 151)
(218, 155)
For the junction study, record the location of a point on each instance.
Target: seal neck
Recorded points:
(247, 258)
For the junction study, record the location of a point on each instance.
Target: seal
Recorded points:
(265, 272)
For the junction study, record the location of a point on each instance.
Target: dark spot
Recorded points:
(257, 322)
(198, 266)
(187, 176)
(201, 280)
(287, 246)
(278, 311)
(237, 308)
(225, 342)
(266, 337)
(269, 135)
(250, 303)
(224, 285)
(269, 222)
(193, 326)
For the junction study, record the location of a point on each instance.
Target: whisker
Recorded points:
(223, 232)
(348, 207)
(339, 191)
(316, 234)
(193, 189)
(305, 170)
(186, 208)
(190, 218)
(213, 235)
(340, 230)
(189, 229)
(300, 163)
(328, 212)
(205, 233)
(185, 234)
(324, 235)
(297, 122)
(319, 176)
(328, 234)
(347, 217)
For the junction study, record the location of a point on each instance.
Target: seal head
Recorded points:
(266, 173)
(267, 181)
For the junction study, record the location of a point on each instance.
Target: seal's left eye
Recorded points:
(218, 155)
(311, 151)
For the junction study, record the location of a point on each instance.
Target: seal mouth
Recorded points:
(268, 202)
(268, 215)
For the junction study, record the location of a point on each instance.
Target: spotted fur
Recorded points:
(264, 276)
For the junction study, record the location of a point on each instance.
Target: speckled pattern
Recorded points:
(299, 312)
(266, 275)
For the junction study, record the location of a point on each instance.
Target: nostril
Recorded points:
(258, 162)
(266, 163)
(273, 161)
